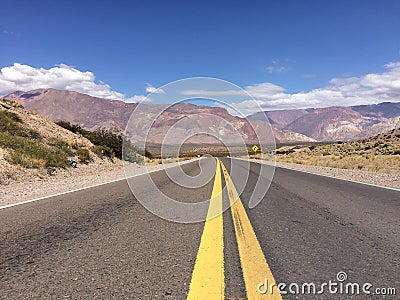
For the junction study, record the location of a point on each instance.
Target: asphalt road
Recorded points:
(101, 243)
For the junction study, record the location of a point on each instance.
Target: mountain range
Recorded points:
(91, 113)
(336, 122)
(298, 125)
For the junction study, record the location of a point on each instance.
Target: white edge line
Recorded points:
(95, 185)
(323, 175)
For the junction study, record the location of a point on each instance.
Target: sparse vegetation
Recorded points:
(132, 154)
(103, 152)
(32, 154)
(379, 154)
(11, 123)
(108, 143)
(64, 146)
(27, 148)
(83, 155)
(11, 103)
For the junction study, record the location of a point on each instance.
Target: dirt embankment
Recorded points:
(33, 148)
(379, 154)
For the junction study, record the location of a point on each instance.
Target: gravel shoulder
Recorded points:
(381, 179)
(38, 185)
(22, 188)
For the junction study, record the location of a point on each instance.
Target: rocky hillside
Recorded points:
(87, 111)
(378, 153)
(90, 113)
(337, 123)
(32, 144)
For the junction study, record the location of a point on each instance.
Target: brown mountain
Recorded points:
(87, 111)
(337, 123)
(91, 112)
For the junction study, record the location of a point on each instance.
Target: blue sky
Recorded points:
(298, 46)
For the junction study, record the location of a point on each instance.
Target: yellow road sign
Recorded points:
(255, 148)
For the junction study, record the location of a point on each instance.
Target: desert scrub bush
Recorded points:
(103, 151)
(99, 137)
(30, 153)
(83, 155)
(26, 146)
(146, 153)
(107, 138)
(75, 145)
(12, 123)
(64, 146)
(8, 116)
(26, 161)
(133, 154)
(71, 127)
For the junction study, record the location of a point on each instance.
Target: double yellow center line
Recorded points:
(208, 280)
(208, 274)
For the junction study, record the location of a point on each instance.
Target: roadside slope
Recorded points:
(380, 153)
(33, 147)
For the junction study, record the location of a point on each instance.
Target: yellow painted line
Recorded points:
(208, 273)
(254, 265)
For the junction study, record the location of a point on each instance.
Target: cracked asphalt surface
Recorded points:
(101, 243)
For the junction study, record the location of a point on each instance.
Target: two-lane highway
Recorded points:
(101, 243)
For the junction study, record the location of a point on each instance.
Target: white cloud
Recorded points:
(152, 89)
(265, 89)
(20, 77)
(367, 89)
(7, 32)
(210, 93)
(371, 88)
(276, 67)
(138, 99)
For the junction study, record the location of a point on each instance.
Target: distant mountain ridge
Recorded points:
(296, 125)
(336, 122)
(91, 113)
(77, 108)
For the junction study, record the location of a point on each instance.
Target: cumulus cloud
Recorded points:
(367, 89)
(152, 89)
(20, 77)
(138, 99)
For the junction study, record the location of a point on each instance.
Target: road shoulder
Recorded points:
(384, 180)
(71, 180)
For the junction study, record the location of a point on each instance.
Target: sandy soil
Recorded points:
(88, 175)
(382, 179)
(26, 188)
